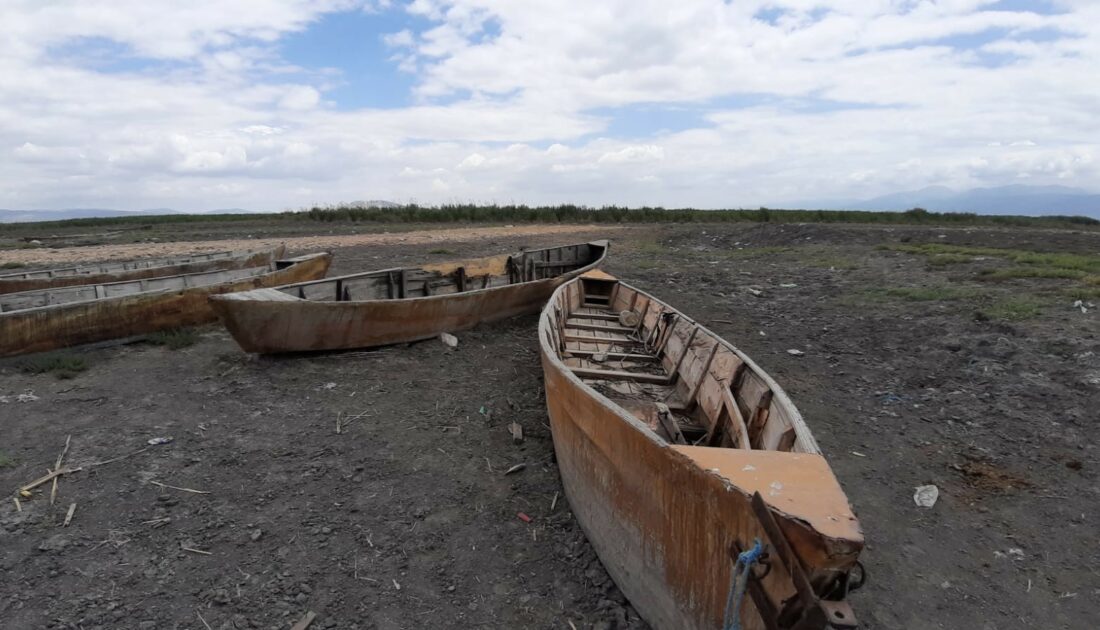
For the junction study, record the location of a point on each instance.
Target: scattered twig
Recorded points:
(571, 624)
(338, 414)
(198, 551)
(41, 480)
(304, 622)
(203, 621)
(157, 522)
(57, 466)
(69, 515)
(111, 461)
(343, 424)
(192, 490)
(515, 469)
(554, 503)
(18, 505)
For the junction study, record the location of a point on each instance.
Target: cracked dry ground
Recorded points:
(406, 520)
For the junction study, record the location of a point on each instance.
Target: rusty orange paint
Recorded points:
(64, 325)
(117, 272)
(663, 518)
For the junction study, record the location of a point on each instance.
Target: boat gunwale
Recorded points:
(264, 270)
(604, 244)
(778, 394)
(220, 255)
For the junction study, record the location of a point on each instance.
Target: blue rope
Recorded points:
(739, 580)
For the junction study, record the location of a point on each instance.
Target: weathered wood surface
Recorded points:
(662, 516)
(62, 325)
(136, 269)
(399, 305)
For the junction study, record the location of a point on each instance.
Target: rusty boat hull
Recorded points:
(37, 321)
(674, 448)
(401, 305)
(109, 272)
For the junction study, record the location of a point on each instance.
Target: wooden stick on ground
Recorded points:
(198, 551)
(69, 515)
(203, 621)
(192, 490)
(57, 466)
(49, 477)
(304, 622)
(18, 505)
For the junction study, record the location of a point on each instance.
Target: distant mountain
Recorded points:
(1017, 199)
(24, 216)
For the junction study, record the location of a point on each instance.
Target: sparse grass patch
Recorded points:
(63, 366)
(1013, 309)
(1082, 293)
(650, 247)
(174, 339)
(1031, 272)
(6, 460)
(748, 252)
(942, 260)
(442, 250)
(12, 265)
(832, 261)
(1058, 260)
(922, 294)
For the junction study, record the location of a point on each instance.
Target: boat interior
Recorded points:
(686, 384)
(23, 300)
(130, 265)
(447, 278)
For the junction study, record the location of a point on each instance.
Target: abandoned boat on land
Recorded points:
(400, 305)
(676, 452)
(136, 269)
(34, 321)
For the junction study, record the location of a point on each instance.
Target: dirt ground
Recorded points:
(913, 373)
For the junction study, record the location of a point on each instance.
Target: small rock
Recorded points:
(255, 535)
(449, 340)
(54, 543)
(795, 353)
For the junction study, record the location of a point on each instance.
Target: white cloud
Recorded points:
(865, 98)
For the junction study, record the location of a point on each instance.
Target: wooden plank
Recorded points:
(593, 339)
(787, 440)
(597, 327)
(616, 355)
(616, 375)
(706, 371)
(759, 418)
(687, 348)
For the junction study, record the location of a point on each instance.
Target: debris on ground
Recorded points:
(157, 441)
(448, 340)
(795, 353)
(515, 469)
(926, 496)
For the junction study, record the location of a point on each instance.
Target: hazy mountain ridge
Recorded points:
(1016, 199)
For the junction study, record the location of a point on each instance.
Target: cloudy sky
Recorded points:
(280, 104)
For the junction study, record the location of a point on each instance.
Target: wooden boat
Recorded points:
(103, 273)
(677, 451)
(402, 304)
(34, 321)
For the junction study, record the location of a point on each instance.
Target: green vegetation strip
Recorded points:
(62, 366)
(461, 213)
